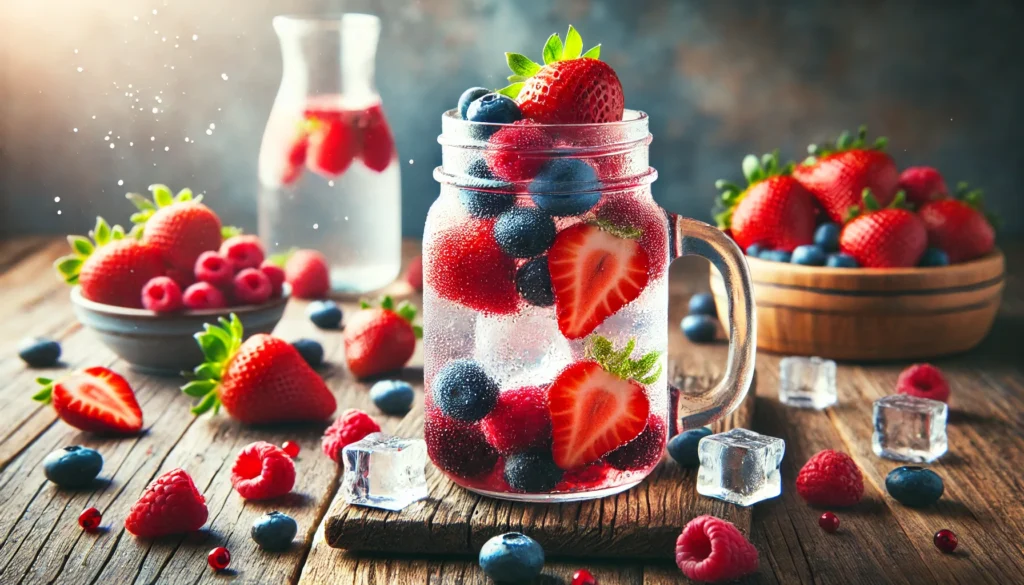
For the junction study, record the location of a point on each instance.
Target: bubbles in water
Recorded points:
(224, 76)
(120, 182)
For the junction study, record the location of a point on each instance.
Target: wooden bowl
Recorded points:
(872, 314)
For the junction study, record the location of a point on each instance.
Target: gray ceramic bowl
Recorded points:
(162, 343)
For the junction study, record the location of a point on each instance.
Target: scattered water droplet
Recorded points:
(155, 110)
(163, 40)
(213, 126)
(111, 145)
(120, 182)
(154, 11)
(209, 132)
(94, 116)
(152, 138)
(346, 218)
(135, 18)
(76, 51)
(316, 226)
(195, 37)
(224, 76)
(131, 144)
(106, 138)
(175, 45)
(56, 199)
(330, 183)
(58, 212)
(167, 148)
(186, 139)
(75, 129)
(129, 86)
(80, 70)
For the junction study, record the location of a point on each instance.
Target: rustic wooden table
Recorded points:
(879, 542)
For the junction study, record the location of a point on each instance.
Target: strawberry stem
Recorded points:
(843, 143)
(755, 170)
(219, 344)
(523, 68)
(45, 393)
(620, 362)
(68, 267)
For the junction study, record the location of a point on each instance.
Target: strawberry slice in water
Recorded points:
(596, 269)
(95, 399)
(331, 146)
(378, 146)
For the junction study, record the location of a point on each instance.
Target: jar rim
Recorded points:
(323, 21)
(630, 118)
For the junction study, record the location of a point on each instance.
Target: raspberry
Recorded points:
(242, 251)
(830, 478)
(215, 269)
(711, 549)
(923, 381)
(184, 278)
(922, 184)
(262, 471)
(350, 427)
(203, 295)
(161, 294)
(307, 272)
(643, 451)
(170, 505)
(275, 274)
(251, 287)
(457, 447)
(505, 155)
(519, 421)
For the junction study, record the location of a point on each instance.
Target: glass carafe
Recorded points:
(328, 168)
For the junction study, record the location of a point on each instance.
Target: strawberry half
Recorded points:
(596, 269)
(95, 399)
(331, 145)
(599, 404)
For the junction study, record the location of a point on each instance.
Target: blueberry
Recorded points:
(754, 250)
(464, 391)
(478, 169)
(324, 314)
(699, 328)
(469, 96)
(511, 558)
(827, 236)
(524, 232)
(916, 487)
(73, 467)
(532, 472)
(683, 447)
(494, 108)
(274, 531)
(702, 304)
(934, 257)
(558, 175)
(310, 350)
(39, 352)
(808, 255)
(533, 281)
(392, 396)
(841, 261)
(775, 255)
(484, 204)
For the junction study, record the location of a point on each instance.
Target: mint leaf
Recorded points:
(594, 53)
(511, 91)
(521, 64)
(552, 49)
(573, 45)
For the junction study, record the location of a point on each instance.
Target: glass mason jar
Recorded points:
(545, 310)
(328, 169)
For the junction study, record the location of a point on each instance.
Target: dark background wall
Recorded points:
(942, 79)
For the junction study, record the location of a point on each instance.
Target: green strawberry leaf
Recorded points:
(870, 202)
(282, 258)
(521, 64)
(751, 168)
(183, 195)
(136, 231)
(593, 53)
(116, 233)
(101, 233)
(387, 303)
(140, 202)
(573, 45)
(162, 195)
(364, 304)
(141, 217)
(417, 330)
(553, 49)
(199, 388)
(213, 347)
(512, 90)
(208, 371)
(82, 246)
(208, 402)
(516, 78)
(230, 231)
(406, 310)
(68, 267)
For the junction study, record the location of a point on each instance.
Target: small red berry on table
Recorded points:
(291, 448)
(219, 558)
(583, 577)
(829, 522)
(946, 541)
(90, 519)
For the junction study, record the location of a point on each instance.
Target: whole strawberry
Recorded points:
(774, 210)
(178, 226)
(830, 478)
(111, 269)
(511, 153)
(958, 226)
(571, 87)
(380, 339)
(307, 273)
(465, 265)
(264, 380)
(884, 238)
(838, 175)
(922, 184)
(170, 505)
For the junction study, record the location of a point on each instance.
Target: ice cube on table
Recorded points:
(807, 382)
(908, 428)
(382, 471)
(740, 466)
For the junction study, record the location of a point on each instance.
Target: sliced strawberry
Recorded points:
(595, 271)
(599, 404)
(331, 148)
(465, 265)
(296, 157)
(625, 212)
(378, 146)
(95, 399)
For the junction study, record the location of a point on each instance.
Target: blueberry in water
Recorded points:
(532, 472)
(841, 261)
(775, 255)
(754, 250)
(484, 204)
(73, 467)
(934, 257)
(274, 531)
(913, 486)
(827, 236)
(512, 558)
(464, 391)
(310, 350)
(524, 232)
(493, 108)
(533, 281)
(478, 169)
(392, 396)
(324, 314)
(39, 352)
(699, 328)
(702, 304)
(809, 255)
(562, 178)
(683, 447)
(469, 96)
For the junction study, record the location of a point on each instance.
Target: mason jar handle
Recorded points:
(692, 237)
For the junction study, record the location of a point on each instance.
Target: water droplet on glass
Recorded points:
(56, 199)
(209, 132)
(224, 76)
(213, 126)
(120, 182)
(80, 70)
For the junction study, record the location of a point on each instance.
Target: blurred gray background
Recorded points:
(79, 81)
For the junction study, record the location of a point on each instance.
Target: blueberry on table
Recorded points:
(557, 187)
(274, 531)
(913, 486)
(754, 250)
(841, 261)
(493, 108)
(683, 447)
(73, 467)
(934, 257)
(699, 328)
(484, 204)
(310, 350)
(464, 391)
(392, 396)
(809, 255)
(702, 304)
(775, 255)
(324, 314)
(524, 232)
(511, 558)
(827, 236)
(469, 96)
(532, 472)
(39, 352)
(533, 281)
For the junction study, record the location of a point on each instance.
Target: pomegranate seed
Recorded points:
(291, 448)
(583, 577)
(90, 519)
(946, 541)
(829, 522)
(219, 558)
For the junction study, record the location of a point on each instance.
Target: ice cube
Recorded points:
(526, 349)
(807, 382)
(740, 466)
(908, 428)
(382, 471)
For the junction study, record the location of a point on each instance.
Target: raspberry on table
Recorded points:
(713, 550)
(263, 471)
(169, 505)
(923, 381)
(830, 478)
(351, 426)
